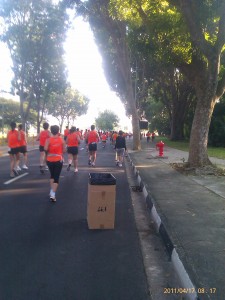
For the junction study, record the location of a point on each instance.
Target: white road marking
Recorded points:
(16, 178)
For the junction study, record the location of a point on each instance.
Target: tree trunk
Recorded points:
(198, 155)
(135, 116)
(177, 129)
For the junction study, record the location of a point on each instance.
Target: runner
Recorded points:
(114, 136)
(23, 147)
(54, 147)
(92, 139)
(42, 137)
(13, 139)
(72, 141)
(148, 135)
(103, 138)
(120, 147)
(153, 136)
(66, 132)
(85, 138)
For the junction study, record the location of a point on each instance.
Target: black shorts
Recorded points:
(41, 148)
(14, 151)
(55, 169)
(92, 147)
(23, 149)
(72, 150)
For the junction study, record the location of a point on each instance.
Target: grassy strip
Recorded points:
(217, 152)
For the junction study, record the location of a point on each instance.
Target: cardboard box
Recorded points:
(101, 206)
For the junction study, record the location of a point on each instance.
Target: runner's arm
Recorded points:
(46, 145)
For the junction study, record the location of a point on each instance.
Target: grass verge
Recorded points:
(218, 152)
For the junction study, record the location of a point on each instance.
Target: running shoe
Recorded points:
(89, 162)
(24, 167)
(46, 168)
(18, 168)
(68, 168)
(93, 164)
(120, 165)
(53, 199)
(15, 172)
(76, 170)
(12, 175)
(42, 170)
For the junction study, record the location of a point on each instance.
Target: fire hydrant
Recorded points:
(160, 146)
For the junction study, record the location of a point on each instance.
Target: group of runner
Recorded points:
(52, 146)
(150, 135)
(17, 143)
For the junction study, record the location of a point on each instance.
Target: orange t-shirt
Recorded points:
(72, 140)
(115, 135)
(92, 137)
(44, 135)
(12, 137)
(66, 132)
(103, 137)
(22, 141)
(55, 149)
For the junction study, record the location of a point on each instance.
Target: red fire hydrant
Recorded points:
(160, 146)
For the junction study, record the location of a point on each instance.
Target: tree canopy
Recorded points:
(34, 32)
(66, 107)
(107, 120)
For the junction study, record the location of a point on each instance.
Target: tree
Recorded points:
(111, 37)
(34, 32)
(217, 126)
(10, 111)
(107, 120)
(191, 34)
(68, 106)
(170, 87)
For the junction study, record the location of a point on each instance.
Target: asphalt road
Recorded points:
(47, 251)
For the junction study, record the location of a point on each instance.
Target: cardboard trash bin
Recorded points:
(101, 201)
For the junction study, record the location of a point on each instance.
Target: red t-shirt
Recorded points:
(12, 137)
(72, 140)
(103, 137)
(66, 132)
(92, 137)
(44, 135)
(22, 141)
(55, 149)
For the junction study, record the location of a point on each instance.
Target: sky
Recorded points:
(85, 74)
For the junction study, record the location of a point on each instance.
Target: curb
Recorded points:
(187, 287)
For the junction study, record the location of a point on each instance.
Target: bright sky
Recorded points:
(84, 65)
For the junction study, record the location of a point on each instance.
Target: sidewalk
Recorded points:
(189, 214)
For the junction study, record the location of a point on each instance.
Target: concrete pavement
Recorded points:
(189, 214)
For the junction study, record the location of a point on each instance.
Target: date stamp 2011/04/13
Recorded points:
(171, 290)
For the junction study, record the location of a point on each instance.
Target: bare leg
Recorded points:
(12, 163)
(42, 158)
(93, 157)
(53, 185)
(75, 162)
(70, 160)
